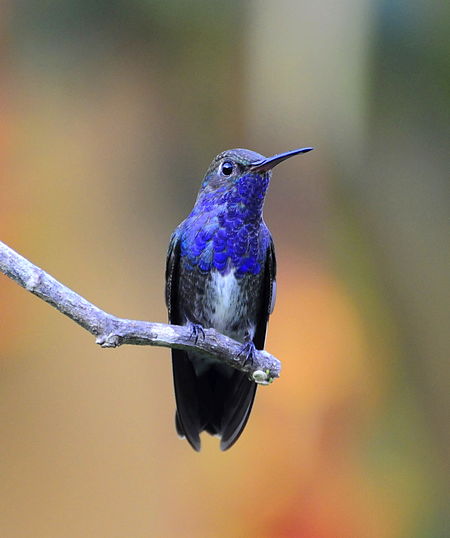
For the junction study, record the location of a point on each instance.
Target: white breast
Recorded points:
(224, 297)
(225, 309)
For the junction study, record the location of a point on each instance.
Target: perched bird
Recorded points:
(220, 274)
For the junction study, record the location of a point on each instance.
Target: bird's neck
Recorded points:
(243, 201)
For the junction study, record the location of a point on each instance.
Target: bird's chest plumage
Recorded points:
(225, 302)
(223, 248)
(225, 231)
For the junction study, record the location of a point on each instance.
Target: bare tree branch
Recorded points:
(111, 331)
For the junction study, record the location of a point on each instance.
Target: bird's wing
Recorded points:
(172, 268)
(240, 401)
(268, 296)
(184, 378)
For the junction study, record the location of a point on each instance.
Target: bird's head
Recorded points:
(235, 167)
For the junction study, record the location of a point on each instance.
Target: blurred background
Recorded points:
(111, 112)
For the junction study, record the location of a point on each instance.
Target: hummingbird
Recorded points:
(221, 274)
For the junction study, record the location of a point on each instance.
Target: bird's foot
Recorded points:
(248, 353)
(197, 331)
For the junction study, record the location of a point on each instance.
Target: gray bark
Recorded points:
(111, 331)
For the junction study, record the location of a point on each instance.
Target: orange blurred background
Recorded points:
(111, 112)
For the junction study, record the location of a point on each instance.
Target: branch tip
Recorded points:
(261, 377)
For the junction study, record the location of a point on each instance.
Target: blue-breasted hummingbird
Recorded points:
(220, 274)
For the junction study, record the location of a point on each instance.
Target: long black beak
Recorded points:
(267, 164)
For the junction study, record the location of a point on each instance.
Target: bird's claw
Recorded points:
(196, 331)
(248, 351)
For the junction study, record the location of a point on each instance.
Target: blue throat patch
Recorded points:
(225, 230)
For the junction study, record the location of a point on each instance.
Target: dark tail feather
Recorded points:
(237, 409)
(178, 426)
(188, 421)
(216, 401)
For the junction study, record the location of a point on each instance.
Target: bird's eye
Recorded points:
(227, 168)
